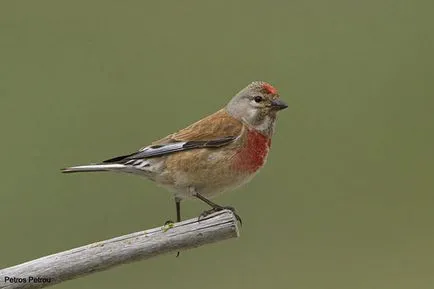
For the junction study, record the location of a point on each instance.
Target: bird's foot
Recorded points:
(168, 225)
(218, 209)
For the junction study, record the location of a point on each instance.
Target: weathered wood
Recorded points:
(103, 255)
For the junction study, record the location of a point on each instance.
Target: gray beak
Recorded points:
(278, 104)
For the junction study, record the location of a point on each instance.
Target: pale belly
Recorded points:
(188, 192)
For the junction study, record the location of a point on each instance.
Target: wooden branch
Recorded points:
(56, 268)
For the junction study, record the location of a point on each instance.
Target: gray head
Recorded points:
(257, 105)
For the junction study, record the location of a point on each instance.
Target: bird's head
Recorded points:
(257, 105)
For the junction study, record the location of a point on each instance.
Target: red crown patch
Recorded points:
(269, 88)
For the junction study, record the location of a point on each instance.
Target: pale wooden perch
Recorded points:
(102, 255)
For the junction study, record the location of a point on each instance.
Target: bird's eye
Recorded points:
(258, 98)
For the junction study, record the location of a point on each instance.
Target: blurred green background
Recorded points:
(346, 199)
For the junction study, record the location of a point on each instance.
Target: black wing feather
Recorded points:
(166, 149)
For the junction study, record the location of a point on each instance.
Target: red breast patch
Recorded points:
(252, 156)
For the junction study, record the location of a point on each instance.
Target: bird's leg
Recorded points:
(178, 214)
(215, 208)
(169, 224)
(178, 209)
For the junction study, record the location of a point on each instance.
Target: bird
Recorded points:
(220, 152)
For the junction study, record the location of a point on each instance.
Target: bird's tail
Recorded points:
(93, 168)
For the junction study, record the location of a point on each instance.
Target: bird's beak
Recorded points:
(278, 104)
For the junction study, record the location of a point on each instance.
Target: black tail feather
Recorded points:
(117, 160)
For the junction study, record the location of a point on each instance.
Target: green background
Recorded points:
(346, 198)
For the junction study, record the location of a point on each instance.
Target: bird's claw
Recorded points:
(168, 225)
(218, 209)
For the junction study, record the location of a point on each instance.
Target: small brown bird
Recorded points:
(218, 153)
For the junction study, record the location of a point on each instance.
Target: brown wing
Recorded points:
(215, 126)
(216, 130)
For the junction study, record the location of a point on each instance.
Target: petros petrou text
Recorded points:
(29, 279)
